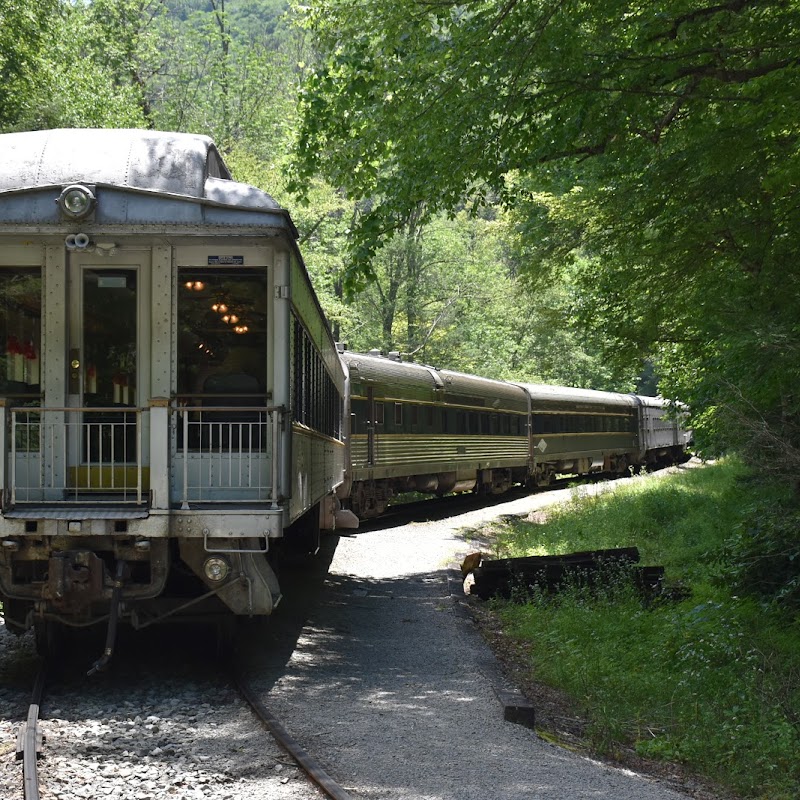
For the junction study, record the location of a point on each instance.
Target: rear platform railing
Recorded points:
(212, 454)
(80, 455)
(226, 454)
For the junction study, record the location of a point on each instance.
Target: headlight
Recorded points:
(76, 201)
(216, 568)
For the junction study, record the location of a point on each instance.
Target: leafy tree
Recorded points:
(651, 149)
(447, 293)
(25, 29)
(228, 72)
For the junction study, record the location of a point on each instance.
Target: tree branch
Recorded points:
(733, 7)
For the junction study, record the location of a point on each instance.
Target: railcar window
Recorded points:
(222, 335)
(473, 422)
(429, 416)
(398, 414)
(20, 330)
(315, 398)
(222, 353)
(414, 416)
(379, 413)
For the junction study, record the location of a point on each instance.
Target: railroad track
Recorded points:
(30, 740)
(304, 760)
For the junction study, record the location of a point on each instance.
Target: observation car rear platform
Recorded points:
(170, 394)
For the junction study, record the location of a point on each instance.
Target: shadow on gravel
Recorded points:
(265, 644)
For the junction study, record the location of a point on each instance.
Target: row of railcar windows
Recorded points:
(412, 418)
(316, 402)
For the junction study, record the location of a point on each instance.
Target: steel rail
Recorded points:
(30, 740)
(307, 763)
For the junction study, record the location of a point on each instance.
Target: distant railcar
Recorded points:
(170, 394)
(417, 428)
(663, 437)
(579, 431)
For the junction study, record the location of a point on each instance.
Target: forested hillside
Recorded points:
(573, 193)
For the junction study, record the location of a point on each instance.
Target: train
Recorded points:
(176, 418)
(415, 428)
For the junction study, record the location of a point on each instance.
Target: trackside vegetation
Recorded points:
(707, 676)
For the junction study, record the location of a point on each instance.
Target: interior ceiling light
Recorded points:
(76, 201)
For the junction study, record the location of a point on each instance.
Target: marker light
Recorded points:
(76, 201)
(216, 568)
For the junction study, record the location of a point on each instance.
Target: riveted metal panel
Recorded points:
(28, 254)
(161, 347)
(54, 331)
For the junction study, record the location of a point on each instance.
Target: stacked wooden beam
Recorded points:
(550, 574)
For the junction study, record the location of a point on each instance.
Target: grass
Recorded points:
(712, 681)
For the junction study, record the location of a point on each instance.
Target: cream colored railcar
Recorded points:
(170, 395)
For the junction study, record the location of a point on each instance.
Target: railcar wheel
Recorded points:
(226, 630)
(49, 637)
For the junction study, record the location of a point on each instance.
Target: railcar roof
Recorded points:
(372, 367)
(546, 392)
(456, 386)
(184, 164)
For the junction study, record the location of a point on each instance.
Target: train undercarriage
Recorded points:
(371, 498)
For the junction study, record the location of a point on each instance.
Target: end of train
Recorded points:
(170, 394)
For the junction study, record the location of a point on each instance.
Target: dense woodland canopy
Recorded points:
(585, 193)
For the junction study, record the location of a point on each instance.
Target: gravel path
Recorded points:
(394, 689)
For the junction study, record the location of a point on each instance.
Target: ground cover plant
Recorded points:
(709, 677)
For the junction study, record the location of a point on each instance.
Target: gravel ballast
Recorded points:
(145, 731)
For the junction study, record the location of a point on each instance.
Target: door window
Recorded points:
(109, 337)
(20, 331)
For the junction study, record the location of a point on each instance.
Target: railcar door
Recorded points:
(104, 423)
(371, 423)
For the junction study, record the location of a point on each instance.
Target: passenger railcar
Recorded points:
(663, 437)
(578, 431)
(417, 428)
(170, 394)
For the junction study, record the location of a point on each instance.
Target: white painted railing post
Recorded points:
(159, 453)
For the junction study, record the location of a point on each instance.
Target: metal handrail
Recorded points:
(86, 460)
(270, 423)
